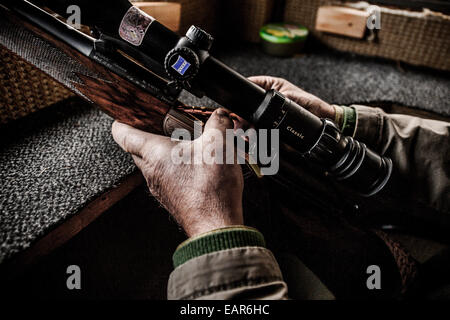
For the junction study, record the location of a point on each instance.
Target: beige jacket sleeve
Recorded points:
(419, 149)
(238, 273)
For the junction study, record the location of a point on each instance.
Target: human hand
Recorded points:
(201, 197)
(306, 100)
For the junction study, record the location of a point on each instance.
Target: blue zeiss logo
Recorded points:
(181, 66)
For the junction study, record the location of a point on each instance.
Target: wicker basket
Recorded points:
(25, 89)
(244, 18)
(419, 38)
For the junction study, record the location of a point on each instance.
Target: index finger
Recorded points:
(265, 82)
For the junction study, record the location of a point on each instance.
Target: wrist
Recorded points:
(346, 119)
(338, 115)
(330, 111)
(205, 224)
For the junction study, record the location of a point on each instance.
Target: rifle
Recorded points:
(124, 66)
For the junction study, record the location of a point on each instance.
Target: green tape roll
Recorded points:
(283, 39)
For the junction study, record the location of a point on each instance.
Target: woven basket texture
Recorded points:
(25, 89)
(419, 40)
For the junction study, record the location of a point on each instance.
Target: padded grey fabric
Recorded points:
(345, 79)
(52, 164)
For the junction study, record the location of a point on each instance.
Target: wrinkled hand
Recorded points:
(201, 197)
(306, 100)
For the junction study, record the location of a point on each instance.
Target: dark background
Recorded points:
(124, 254)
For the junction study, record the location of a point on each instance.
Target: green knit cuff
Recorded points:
(349, 121)
(217, 240)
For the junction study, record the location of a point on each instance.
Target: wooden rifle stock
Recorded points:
(117, 96)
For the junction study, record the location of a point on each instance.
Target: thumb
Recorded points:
(219, 120)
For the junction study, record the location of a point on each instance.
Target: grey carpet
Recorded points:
(52, 164)
(344, 79)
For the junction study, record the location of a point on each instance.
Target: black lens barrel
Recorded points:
(347, 160)
(351, 162)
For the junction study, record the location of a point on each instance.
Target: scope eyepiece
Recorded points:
(347, 160)
(351, 162)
